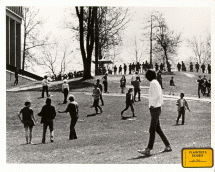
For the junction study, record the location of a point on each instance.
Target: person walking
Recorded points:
(136, 85)
(200, 82)
(65, 90)
(155, 103)
(182, 105)
(16, 76)
(100, 87)
(72, 108)
(47, 115)
(172, 86)
(129, 102)
(28, 119)
(96, 96)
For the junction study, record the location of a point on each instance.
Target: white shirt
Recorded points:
(65, 85)
(45, 82)
(134, 76)
(155, 94)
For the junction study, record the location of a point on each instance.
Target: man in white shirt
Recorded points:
(134, 76)
(65, 90)
(45, 86)
(155, 102)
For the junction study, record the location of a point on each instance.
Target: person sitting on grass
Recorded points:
(28, 120)
(65, 90)
(72, 108)
(182, 104)
(96, 96)
(172, 86)
(129, 102)
(48, 113)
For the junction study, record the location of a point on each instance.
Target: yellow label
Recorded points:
(194, 157)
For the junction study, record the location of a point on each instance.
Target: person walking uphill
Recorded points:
(65, 90)
(72, 108)
(155, 102)
(45, 86)
(48, 113)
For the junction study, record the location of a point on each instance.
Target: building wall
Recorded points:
(13, 36)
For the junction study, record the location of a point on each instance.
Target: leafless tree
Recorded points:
(31, 33)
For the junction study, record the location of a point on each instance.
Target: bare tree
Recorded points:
(31, 34)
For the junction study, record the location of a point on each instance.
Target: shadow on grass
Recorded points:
(90, 115)
(126, 117)
(145, 156)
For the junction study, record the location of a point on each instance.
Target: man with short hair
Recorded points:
(155, 102)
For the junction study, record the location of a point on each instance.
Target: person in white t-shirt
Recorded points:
(45, 86)
(65, 90)
(155, 102)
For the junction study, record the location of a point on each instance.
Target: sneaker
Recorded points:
(31, 143)
(167, 149)
(52, 140)
(145, 151)
(101, 110)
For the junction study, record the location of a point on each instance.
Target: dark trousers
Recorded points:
(105, 86)
(16, 80)
(72, 134)
(155, 127)
(65, 92)
(160, 82)
(48, 123)
(96, 105)
(101, 99)
(137, 90)
(127, 106)
(199, 90)
(181, 112)
(45, 88)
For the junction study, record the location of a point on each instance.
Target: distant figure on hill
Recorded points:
(191, 67)
(99, 85)
(115, 69)
(16, 76)
(159, 78)
(136, 85)
(209, 87)
(200, 82)
(28, 119)
(45, 86)
(125, 68)
(156, 67)
(179, 66)
(96, 96)
(65, 90)
(182, 105)
(197, 67)
(130, 68)
(172, 86)
(120, 69)
(203, 68)
(105, 82)
(209, 68)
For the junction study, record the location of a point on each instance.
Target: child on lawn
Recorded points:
(28, 120)
(129, 102)
(96, 95)
(172, 86)
(182, 104)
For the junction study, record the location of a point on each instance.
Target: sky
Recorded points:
(190, 21)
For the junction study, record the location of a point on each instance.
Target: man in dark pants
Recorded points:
(200, 82)
(136, 85)
(100, 87)
(72, 108)
(48, 113)
(155, 102)
(105, 83)
(45, 86)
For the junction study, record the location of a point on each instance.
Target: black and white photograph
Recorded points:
(108, 83)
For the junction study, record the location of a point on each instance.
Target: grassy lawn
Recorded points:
(105, 138)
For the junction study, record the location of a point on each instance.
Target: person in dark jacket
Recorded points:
(48, 113)
(72, 108)
(16, 76)
(100, 87)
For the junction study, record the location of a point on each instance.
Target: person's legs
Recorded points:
(26, 133)
(47, 91)
(101, 99)
(96, 102)
(30, 136)
(135, 93)
(65, 95)
(72, 134)
(179, 116)
(44, 132)
(126, 108)
(43, 91)
(138, 94)
(183, 116)
(132, 109)
(199, 89)
(51, 128)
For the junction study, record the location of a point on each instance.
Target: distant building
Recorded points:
(13, 36)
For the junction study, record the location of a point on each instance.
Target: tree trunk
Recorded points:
(24, 53)
(151, 43)
(96, 42)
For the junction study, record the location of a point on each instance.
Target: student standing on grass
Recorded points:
(28, 120)
(96, 96)
(65, 90)
(100, 87)
(45, 86)
(200, 82)
(105, 82)
(155, 102)
(72, 108)
(136, 85)
(122, 83)
(48, 114)
(172, 86)
(129, 102)
(182, 105)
